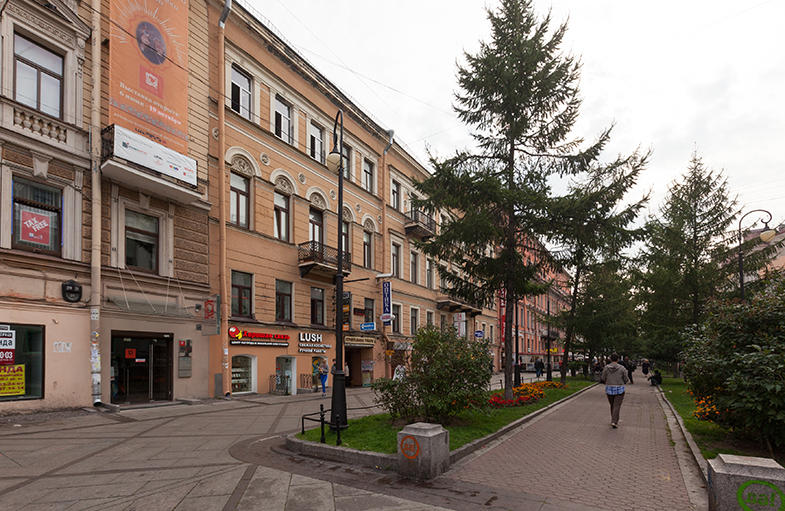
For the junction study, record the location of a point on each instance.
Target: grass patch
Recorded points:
(376, 433)
(709, 437)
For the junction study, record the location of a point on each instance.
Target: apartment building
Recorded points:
(103, 213)
(274, 118)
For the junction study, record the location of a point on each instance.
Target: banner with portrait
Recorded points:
(148, 70)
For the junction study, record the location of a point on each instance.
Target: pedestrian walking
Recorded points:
(645, 367)
(539, 367)
(614, 376)
(630, 365)
(323, 372)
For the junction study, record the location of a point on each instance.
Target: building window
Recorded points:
(367, 254)
(281, 216)
(141, 241)
(316, 142)
(238, 192)
(283, 301)
(414, 321)
(316, 227)
(429, 317)
(345, 237)
(368, 176)
(347, 163)
(241, 93)
(491, 335)
(28, 353)
(37, 214)
(369, 306)
(395, 260)
(443, 321)
(39, 77)
(242, 289)
(414, 268)
(396, 195)
(283, 120)
(317, 306)
(429, 273)
(396, 322)
(242, 373)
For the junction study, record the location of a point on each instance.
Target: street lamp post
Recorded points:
(517, 379)
(765, 237)
(334, 162)
(549, 376)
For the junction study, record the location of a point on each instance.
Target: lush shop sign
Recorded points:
(245, 338)
(312, 343)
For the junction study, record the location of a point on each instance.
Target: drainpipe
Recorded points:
(95, 181)
(382, 188)
(226, 380)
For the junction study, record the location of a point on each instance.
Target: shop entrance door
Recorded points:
(141, 368)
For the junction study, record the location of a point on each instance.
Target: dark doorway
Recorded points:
(141, 367)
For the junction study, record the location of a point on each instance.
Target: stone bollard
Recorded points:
(745, 483)
(423, 450)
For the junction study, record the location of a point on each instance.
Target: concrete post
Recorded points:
(423, 450)
(745, 483)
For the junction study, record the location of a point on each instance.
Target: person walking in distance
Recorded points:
(614, 376)
(323, 371)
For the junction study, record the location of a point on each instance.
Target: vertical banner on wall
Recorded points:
(387, 301)
(148, 69)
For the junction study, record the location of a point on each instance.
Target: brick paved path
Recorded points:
(566, 455)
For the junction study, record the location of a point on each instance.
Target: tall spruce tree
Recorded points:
(688, 257)
(520, 94)
(592, 225)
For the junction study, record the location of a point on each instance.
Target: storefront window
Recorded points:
(241, 374)
(21, 362)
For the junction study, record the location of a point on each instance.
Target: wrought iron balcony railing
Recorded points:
(419, 224)
(319, 253)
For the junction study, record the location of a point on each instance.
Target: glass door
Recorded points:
(141, 369)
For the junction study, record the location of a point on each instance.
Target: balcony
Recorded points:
(449, 303)
(419, 225)
(31, 123)
(319, 260)
(141, 164)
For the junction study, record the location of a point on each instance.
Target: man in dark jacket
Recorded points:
(614, 376)
(630, 366)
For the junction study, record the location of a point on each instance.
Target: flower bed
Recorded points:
(524, 394)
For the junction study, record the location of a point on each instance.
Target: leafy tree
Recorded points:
(592, 223)
(445, 375)
(520, 93)
(686, 258)
(735, 364)
(604, 319)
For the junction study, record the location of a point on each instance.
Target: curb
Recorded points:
(390, 461)
(694, 450)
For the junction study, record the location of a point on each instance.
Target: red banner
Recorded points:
(35, 227)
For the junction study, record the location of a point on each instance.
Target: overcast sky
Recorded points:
(675, 77)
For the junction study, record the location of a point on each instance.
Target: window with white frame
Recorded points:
(396, 322)
(38, 77)
(141, 241)
(316, 226)
(429, 317)
(241, 92)
(281, 206)
(367, 250)
(316, 142)
(368, 181)
(317, 306)
(283, 120)
(429, 273)
(414, 270)
(414, 320)
(395, 198)
(239, 199)
(345, 231)
(368, 317)
(395, 260)
(347, 163)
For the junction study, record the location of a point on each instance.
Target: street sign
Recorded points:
(367, 326)
(386, 318)
(479, 334)
(386, 302)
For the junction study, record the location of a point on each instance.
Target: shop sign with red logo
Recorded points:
(130, 353)
(35, 227)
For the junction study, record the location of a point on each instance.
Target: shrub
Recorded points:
(735, 365)
(445, 375)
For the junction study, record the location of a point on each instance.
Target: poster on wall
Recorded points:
(148, 70)
(7, 347)
(35, 226)
(12, 380)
